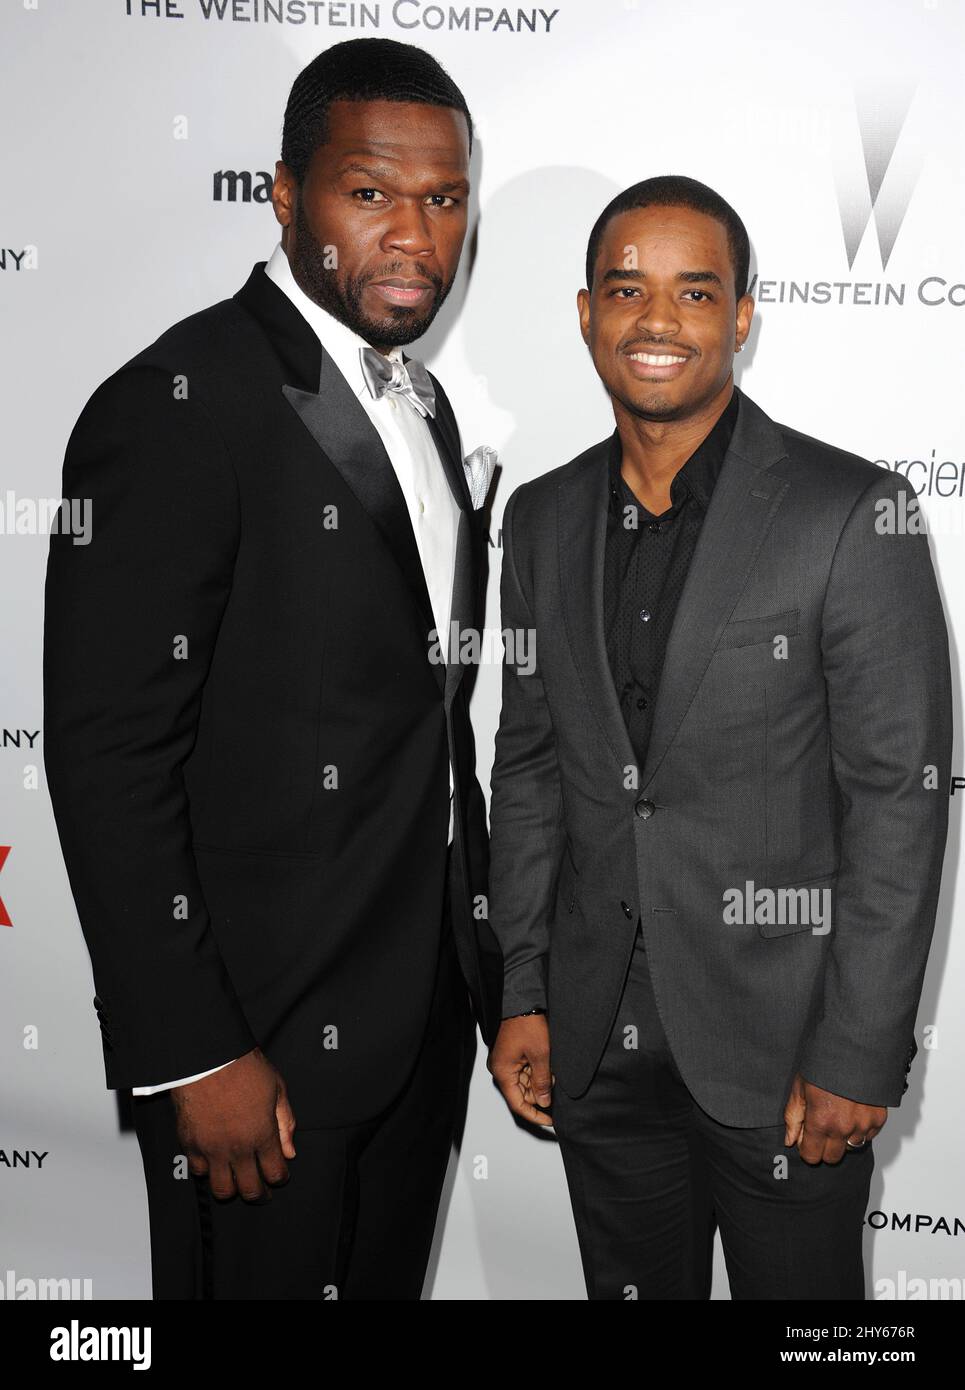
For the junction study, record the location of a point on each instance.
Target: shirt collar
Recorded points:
(341, 343)
(696, 476)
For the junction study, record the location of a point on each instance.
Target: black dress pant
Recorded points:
(651, 1175)
(355, 1219)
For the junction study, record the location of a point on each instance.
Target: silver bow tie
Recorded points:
(409, 379)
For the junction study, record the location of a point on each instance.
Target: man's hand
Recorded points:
(821, 1123)
(520, 1064)
(236, 1127)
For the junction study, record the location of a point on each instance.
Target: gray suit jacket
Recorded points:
(801, 740)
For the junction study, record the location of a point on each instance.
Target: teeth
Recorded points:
(653, 361)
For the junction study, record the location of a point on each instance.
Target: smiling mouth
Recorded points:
(653, 359)
(656, 365)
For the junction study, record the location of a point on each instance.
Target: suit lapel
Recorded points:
(742, 508)
(336, 420)
(582, 548)
(445, 432)
(340, 427)
(462, 607)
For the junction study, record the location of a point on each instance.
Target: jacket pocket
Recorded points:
(566, 885)
(746, 632)
(245, 853)
(806, 904)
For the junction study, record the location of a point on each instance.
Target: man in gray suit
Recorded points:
(719, 799)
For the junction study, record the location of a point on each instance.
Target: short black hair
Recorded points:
(676, 191)
(360, 70)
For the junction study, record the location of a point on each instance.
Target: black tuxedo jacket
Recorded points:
(246, 742)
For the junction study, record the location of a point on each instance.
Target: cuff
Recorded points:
(184, 1081)
(524, 987)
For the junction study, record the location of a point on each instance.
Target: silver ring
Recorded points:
(856, 1146)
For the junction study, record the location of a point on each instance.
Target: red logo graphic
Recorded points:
(4, 915)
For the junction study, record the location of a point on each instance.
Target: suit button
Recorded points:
(644, 808)
(626, 910)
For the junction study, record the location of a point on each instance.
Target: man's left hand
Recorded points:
(821, 1123)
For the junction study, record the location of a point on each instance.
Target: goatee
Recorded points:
(319, 279)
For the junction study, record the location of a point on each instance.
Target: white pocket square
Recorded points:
(479, 467)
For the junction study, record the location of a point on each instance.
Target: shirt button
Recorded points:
(392, 402)
(641, 703)
(644, 615)
(654, 526)
(422, 507)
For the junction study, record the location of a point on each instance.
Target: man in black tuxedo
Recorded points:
(720, 796)
(256, 754)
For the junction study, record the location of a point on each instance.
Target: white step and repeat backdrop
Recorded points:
(834, 127)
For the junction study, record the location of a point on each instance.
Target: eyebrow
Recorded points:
(689, 277)
(382, 172)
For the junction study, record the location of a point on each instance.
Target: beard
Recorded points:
(655, 407)
(397, 327)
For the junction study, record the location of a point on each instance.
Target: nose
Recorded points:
(410, 231)
(658, 315)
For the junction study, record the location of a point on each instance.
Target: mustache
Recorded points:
(636, 344)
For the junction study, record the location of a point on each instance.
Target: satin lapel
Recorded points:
(445, 432)
(342, 430)
(742, 507)
(462, 608)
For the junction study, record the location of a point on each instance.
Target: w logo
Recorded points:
(877, 174)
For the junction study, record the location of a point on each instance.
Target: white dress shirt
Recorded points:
(412, 452)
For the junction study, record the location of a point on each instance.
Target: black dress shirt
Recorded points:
(647, 559)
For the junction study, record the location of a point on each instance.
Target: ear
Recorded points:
(284, 192)
(583, 305)
(745, 312)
